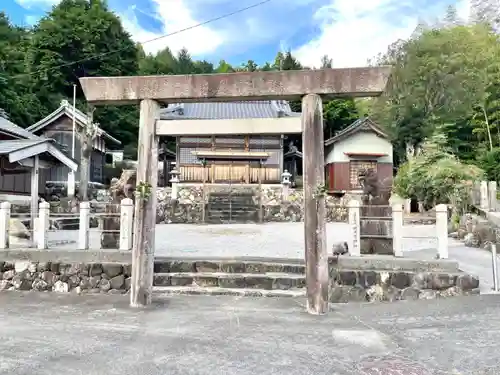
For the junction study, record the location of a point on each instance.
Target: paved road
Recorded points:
(46, 333)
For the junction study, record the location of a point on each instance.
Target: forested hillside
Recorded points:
(445, 84)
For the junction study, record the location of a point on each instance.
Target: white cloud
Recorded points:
(174, 16)
(27, 4)
(353, 31)
(463, 9)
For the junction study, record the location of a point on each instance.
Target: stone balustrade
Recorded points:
(42, 225)
(124, 238)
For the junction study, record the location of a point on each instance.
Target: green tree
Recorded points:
(286, 61)
(224, 67)
(338, 114)
(326, 62)
(83, 31)
(17, 100)
(441, 77)
(78, 39)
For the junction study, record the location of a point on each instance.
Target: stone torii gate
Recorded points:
(308, 85)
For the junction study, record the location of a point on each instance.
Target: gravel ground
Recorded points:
(283, 240)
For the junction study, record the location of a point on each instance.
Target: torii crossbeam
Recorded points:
(309, 85)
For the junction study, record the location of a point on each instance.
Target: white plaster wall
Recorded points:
(14, 198)
(362, 142)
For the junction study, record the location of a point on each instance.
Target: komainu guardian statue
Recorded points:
(120, 188)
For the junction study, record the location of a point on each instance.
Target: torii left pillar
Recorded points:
(141, 286)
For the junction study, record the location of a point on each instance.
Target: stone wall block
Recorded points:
(368, 278)
(344, 294)
(467, 282)
(421, 280)
(112, 269)
(43, 266)
(347, 278)
(410, 293)
(400, 280)
(95, 269)
(127, 270)
(54, 267)
(442, 281)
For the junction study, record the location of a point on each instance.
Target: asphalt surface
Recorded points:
(47, 333)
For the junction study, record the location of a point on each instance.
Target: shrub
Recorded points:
(436, 176)
(489, 161)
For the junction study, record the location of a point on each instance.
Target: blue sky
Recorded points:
(349, 31)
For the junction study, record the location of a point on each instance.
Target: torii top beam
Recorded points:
(240, 86)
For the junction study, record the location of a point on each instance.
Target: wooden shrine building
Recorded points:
(228, 158)
(24, 160)
(58, 125)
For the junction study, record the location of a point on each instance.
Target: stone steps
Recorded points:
(234, 207)
(219, 217)
(265, 281)
(238, 277)
(229, 265)
(351, 278)
(217, 291)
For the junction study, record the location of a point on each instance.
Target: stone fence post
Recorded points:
(354, 213)
(407, 206)
(126, 224)
(83, 232)
(397, 228)
(4, 224)
(442, 231)
(484, 196)
(492, 195)
(41, 229)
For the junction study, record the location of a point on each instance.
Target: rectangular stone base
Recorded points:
(377, 246)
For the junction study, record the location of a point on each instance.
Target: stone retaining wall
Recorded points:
(63, 277)
(352, 279)
(476, 231)
(367, 285)
(191, 198)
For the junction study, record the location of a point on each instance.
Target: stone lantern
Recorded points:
(285, 184)
(285, 178)
(174, 180)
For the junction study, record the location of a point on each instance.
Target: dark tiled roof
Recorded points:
(227, 110)
(6, 147)
(362, 123)
(67, 109)
(11, 128)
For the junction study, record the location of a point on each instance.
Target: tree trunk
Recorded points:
(488, 130)
(87, 139)
(84, 175)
